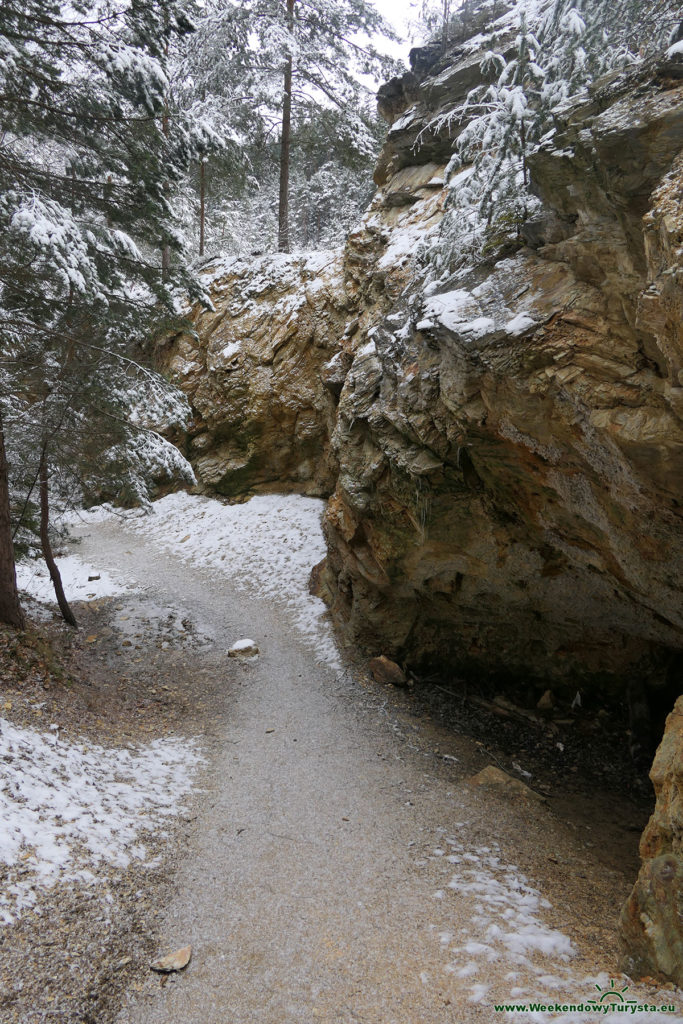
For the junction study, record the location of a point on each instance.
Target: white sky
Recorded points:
(395, 11)
(398, 13)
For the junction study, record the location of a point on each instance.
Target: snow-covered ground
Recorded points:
(67, 806)
(506, 928)
(267, 545)
(77, 579)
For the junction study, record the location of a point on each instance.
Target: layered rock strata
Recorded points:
(261, 375)
(510, 451)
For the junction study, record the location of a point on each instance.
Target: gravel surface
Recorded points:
(313, 873)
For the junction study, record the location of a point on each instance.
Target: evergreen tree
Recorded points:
(538, 57)
(278, 63)
(87, 166)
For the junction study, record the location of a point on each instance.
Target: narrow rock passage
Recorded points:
(318, 879)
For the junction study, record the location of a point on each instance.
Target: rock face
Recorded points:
(504, 458)
(652, 920)
(510, 452)
(260, 373)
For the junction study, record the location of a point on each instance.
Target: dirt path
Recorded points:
(339, 868)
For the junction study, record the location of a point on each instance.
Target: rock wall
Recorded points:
(652, 920)
(260, 373)
(265, 368)
(510, 451)
(503, 458)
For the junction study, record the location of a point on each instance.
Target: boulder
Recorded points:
(244, 649)
(384, 670)
(496, 779)
(651, 923)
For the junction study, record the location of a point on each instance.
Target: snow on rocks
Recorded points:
(244, 649)
(67, 806)
(520, 324)
(459, 311)
(369, 349)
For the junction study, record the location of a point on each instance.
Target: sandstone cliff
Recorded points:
(252, 371)
(510, 451)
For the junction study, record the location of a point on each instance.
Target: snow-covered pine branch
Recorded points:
(537, 57)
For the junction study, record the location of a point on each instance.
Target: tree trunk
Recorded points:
(202, 205)
(285, 139)
(64, 608)
(166, 129)
(522, 135)
(165, 249)
(10, 609)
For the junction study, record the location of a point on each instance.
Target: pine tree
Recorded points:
(86, 172)
(278, 61)
(540, 56)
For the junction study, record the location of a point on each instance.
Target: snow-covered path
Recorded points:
(339, 870)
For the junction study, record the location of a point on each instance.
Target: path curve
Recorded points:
(315, 883)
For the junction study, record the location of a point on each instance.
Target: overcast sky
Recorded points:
(395, 11)
(398, 13)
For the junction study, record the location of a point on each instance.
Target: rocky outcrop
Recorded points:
(505, 455)
(265, 368)
(261, 375)
(652, 920)
(510, 450)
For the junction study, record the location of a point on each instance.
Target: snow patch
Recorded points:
(404, 121)
(452, 309)
(478, 328)
(65, 807)
(230, 350)
(267, 545)
(243, 645)
(369, 349)
(520, 324)
(506, 924)
(34, 579)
